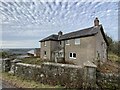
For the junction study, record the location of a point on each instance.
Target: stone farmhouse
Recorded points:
(78, 47)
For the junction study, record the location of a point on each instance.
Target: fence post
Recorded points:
(89, 75)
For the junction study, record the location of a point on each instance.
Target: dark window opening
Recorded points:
(74, 55)
(70, 54)
(44, 52)
(60, 42)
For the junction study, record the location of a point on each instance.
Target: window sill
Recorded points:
(71, 58)
(77, 43)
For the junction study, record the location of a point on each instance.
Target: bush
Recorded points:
(4, 54)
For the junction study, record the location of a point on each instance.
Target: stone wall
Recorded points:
(52, 73)
(108, 80)
(6, 64)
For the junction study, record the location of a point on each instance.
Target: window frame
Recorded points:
(45, 43)
(76, 41)
(72, 53)
(67, 42)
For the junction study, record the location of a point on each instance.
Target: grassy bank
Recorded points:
(113, 57)
(32, 60)
(21, 83)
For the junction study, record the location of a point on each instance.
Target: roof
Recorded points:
(76, 34)
(51, 37)
(80, 33)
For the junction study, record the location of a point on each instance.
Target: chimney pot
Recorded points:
(96, 22)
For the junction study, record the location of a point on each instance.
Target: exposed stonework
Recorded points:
(52, 73)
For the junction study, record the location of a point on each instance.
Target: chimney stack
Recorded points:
(60, 33)
(96, 22)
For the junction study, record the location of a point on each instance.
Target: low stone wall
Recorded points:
(52, 73)
(108, 80)
(6, 64)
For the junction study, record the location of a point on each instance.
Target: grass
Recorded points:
(32, 60)
(112, 65)
(21, 83)
(113, 57)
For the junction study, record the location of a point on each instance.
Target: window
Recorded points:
(67, 42)
(60, 42)
(60, 54)
(45, 43)
(44, 52)
(72, 55)
(77, 41)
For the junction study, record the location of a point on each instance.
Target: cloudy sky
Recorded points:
(24, 22)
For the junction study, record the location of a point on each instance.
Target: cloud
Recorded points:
(37, 19)
(19, 44)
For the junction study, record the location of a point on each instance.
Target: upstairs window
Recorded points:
(67, 42)
(60, 42)
(72, 55)
(104, 46)
(77, 41)
(45, 43)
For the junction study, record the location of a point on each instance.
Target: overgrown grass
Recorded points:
(32, 60)
(113, 57)
(21, 83)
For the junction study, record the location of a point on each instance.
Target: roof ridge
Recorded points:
(79, 30)
(54, 34)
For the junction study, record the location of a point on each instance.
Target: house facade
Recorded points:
(76, 47)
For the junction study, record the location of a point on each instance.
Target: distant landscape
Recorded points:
(19, 51)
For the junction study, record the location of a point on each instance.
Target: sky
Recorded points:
(23, 23)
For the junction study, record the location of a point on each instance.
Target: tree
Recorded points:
(114, 46)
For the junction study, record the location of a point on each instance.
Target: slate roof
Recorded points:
(76, 34)
(80, 33)
(51, 37)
